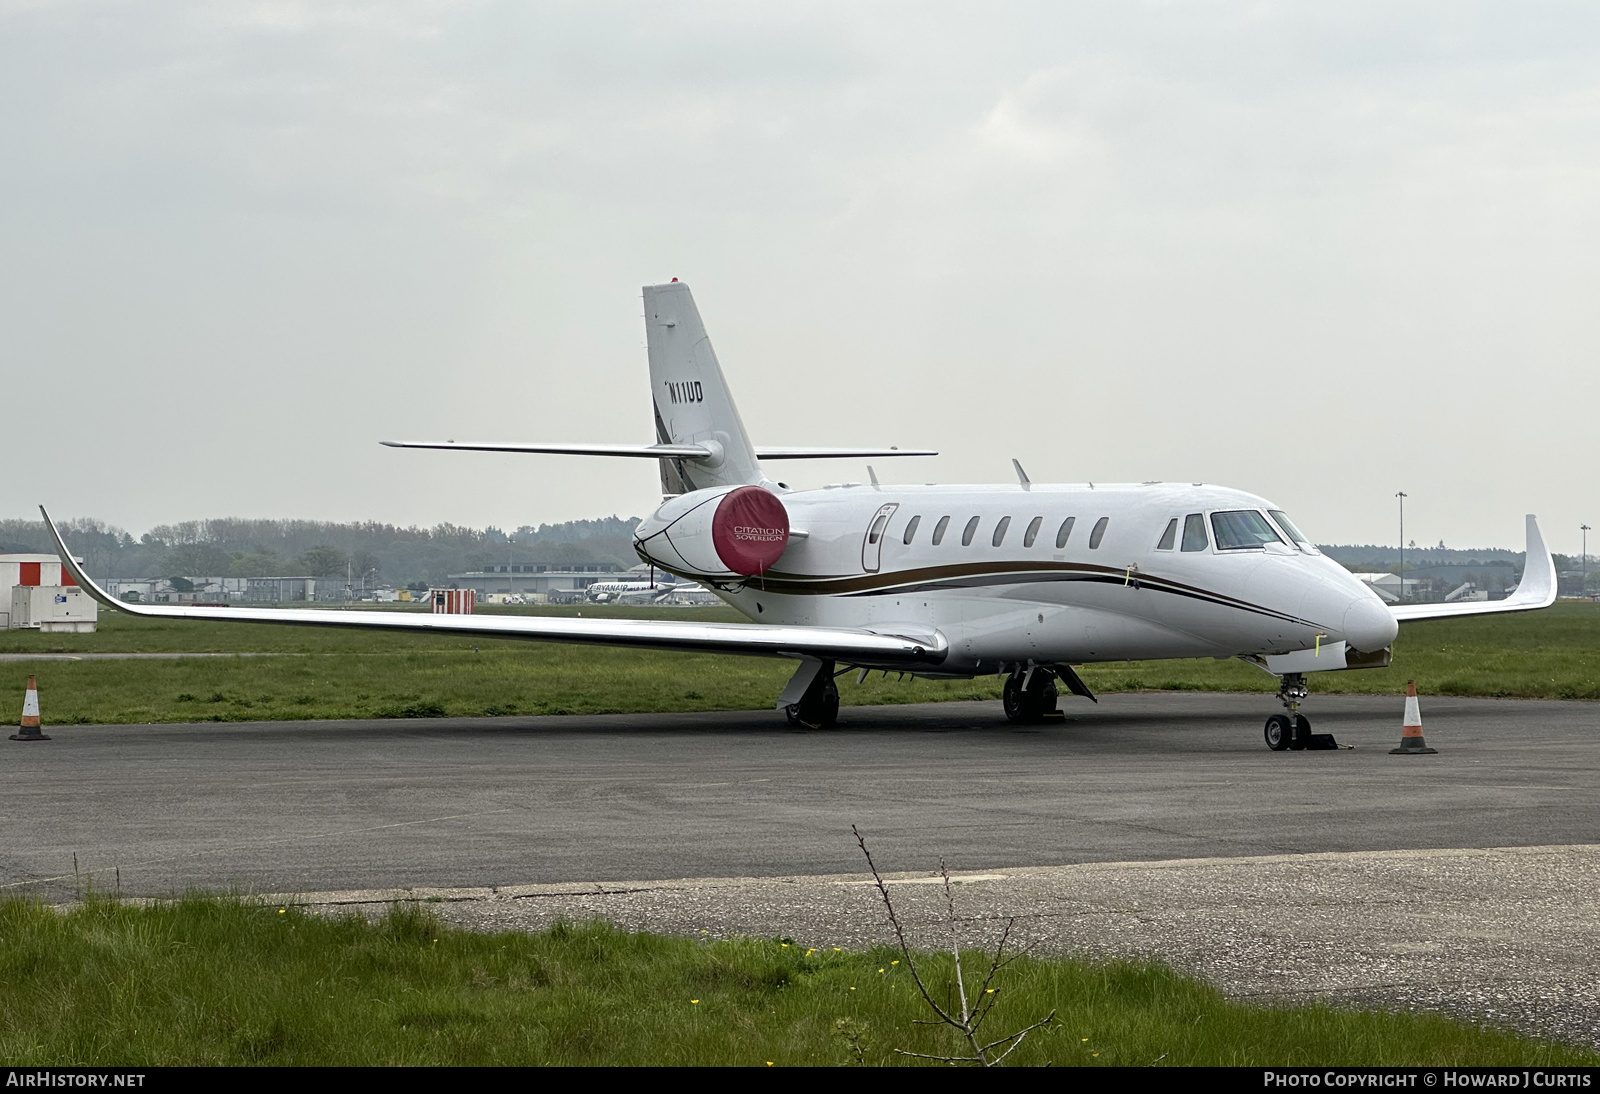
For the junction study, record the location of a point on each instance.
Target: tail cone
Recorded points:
(1411, 739)
(29, 729)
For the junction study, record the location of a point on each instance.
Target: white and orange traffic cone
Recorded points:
(1411, 740)
(29, 730)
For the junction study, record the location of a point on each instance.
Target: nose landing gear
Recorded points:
(1292, 731)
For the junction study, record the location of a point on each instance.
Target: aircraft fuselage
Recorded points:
(1010, 581)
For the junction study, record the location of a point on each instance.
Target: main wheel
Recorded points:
(1030, 705)
(1015, 700)
(818, 708)
(1279, 732)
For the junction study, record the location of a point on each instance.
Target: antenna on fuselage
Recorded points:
(1022, 476)
(873, 475)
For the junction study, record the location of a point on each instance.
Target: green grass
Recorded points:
(222, 981)
(316, 673)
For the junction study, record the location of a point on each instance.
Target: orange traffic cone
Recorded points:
(1411, 741)
(30, 716)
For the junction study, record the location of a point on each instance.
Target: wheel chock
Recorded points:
(29, 729)
(1321, 742)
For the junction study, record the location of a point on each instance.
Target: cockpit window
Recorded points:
(1194, 533)
(1241, 528)
(1170, 536)
(1290, 530)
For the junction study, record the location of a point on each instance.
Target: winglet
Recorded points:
(1537, 589)
(83, 580)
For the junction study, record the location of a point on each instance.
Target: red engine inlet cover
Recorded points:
(750, 530)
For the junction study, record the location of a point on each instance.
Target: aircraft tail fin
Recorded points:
(692, 403)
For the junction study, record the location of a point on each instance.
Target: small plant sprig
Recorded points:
(966, 1018)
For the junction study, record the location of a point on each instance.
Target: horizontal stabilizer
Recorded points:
(1537, 589)
(792, 452)
(859, 647)
(656, 451)
(649, 451)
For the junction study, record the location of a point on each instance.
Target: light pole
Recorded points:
(1402, 496)
(1583, 583)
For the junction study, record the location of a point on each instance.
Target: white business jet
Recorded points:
(1021, 579)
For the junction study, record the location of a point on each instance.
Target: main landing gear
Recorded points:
(1292, 731)
(1029, 695)
(818, 707)
(1030, 691)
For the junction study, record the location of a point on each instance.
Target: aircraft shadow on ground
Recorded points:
(1088, 723)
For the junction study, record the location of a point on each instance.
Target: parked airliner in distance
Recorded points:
(633, 592)
(1022, 579)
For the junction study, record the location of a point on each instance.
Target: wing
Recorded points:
(860, 647)
(1537, 589)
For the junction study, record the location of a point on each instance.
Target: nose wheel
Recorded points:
(1288, 733)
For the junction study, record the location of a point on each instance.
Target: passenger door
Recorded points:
(872, 542)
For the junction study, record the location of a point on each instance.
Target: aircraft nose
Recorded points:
(1368, 625)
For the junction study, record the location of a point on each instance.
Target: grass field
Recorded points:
(315, 673)
(220, 981)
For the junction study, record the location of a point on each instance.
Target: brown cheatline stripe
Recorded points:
(994, 573)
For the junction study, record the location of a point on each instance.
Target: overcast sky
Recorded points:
(1322, 252)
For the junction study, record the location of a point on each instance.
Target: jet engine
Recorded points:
(727, 532)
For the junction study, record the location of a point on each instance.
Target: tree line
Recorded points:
(376, 552)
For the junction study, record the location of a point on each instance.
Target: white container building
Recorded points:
(42, 595)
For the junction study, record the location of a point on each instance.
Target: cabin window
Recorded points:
(968, 532)
(1194, 533)
(1169, 538)
(1065, 532)
(1033, 531)
(1241, 529)
(999, 536)
(938, 530)
(911, 527)
(1099, 533)
(877, 528)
